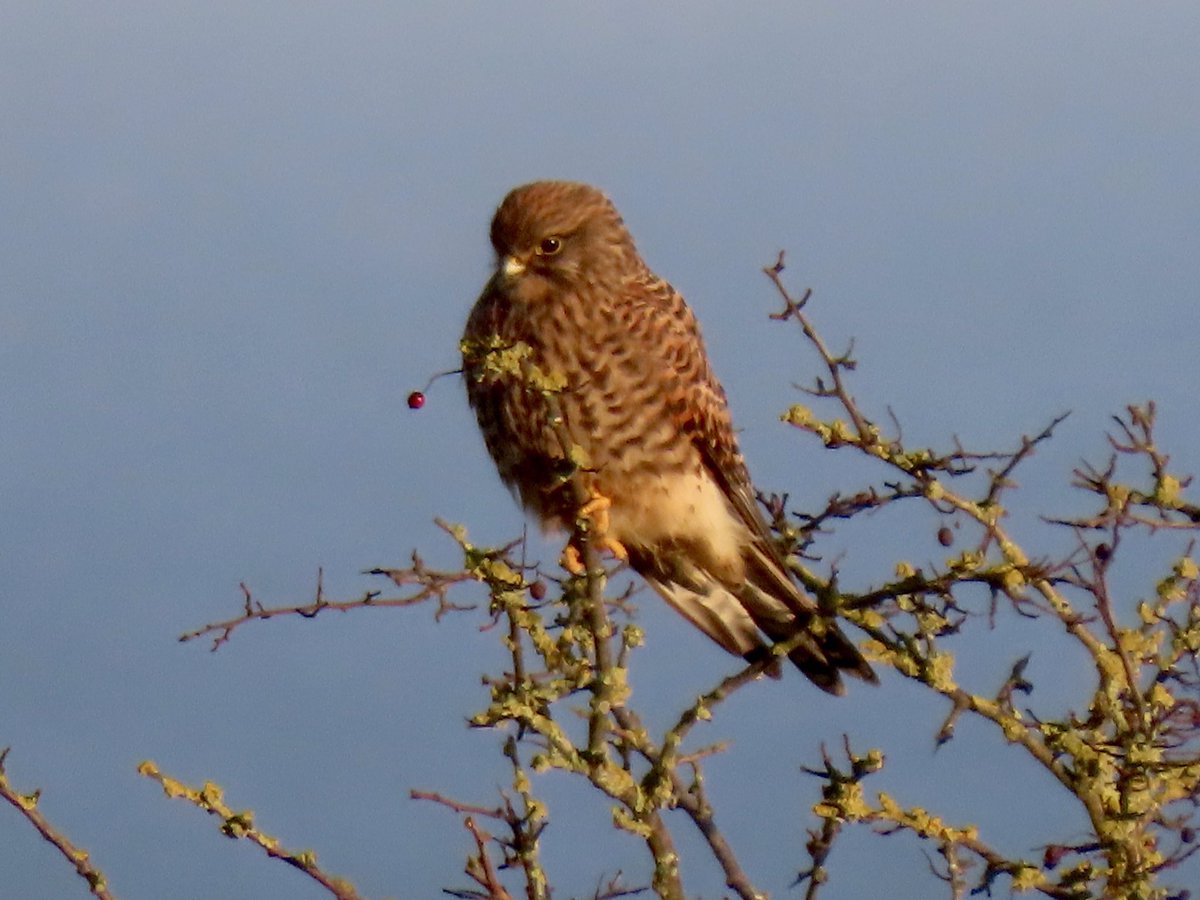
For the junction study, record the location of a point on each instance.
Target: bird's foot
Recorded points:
(594, 513)
(571, 560)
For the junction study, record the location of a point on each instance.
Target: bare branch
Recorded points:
(432, 584)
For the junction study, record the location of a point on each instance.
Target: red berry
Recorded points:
(537, 590)
(416, 400)
(1053, 855)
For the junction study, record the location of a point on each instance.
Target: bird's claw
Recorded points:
(593, 513)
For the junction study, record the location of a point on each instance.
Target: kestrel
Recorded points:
(582, 364)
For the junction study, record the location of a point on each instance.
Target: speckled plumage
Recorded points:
(571, 299)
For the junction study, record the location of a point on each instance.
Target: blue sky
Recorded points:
(234, 237)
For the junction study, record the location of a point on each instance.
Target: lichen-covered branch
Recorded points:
(1126, 753)
(1132, 763)
(239, 825)
(27, 806)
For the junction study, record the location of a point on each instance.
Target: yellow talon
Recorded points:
(596, 510)
(615, 547)
(570, 560)
(595, 513)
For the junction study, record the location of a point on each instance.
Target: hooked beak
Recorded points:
(512, 266)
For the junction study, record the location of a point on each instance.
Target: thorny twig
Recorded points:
(1123, 762)
(432, 584)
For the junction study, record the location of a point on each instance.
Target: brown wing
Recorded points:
(701, 412)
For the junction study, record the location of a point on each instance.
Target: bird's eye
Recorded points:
(549, 246)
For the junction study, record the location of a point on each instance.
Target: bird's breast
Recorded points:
(679, 513)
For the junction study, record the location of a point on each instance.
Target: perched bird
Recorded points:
(584, 366)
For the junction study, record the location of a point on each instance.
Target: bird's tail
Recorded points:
(738, 621)
(824, 652)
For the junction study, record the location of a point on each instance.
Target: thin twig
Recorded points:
(432, 584)
(26, 805)
(240, 824)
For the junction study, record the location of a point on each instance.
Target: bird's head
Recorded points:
(554, 234)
